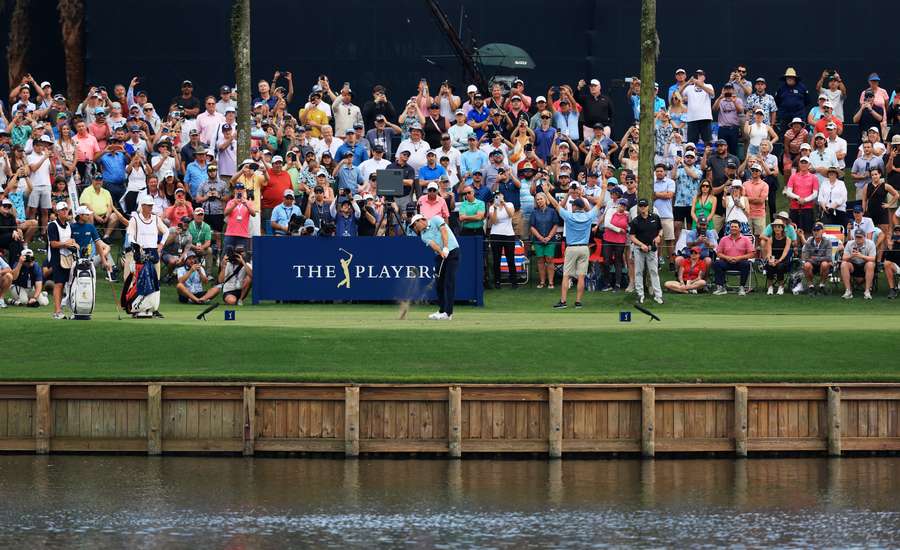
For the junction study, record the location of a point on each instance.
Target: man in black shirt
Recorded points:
(186, 102)
(892, 263)
(645, 231)
(367, 222)
(596, 107)
(379, 105)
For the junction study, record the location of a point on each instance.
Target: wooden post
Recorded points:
(834, 421)
(740, 421)
(42, 419)
(455, 435)
(351, 421)
(249, 419)
(556, 421)
(648, 420)
(154, 419)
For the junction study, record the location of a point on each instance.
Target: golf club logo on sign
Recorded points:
(346, 271)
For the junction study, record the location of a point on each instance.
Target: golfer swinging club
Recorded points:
(438, 237)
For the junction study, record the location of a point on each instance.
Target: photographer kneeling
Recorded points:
(234, 279)
(26, 282)
(191, 278)
(286, 218)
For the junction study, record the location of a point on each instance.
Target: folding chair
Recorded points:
(594, 278)
(733, 277)
(522, 264)
(559, 261)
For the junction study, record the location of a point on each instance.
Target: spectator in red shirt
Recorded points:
(273, 190)
(691, 275)
(733, 254)
(803, 188)
(181, 208)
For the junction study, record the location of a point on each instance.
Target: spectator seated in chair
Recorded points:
(892, 262)
(817, 258)
(858, 263)
(733, 254)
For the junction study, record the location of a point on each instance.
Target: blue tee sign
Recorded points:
(359, 268)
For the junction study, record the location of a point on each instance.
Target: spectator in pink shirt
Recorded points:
(802, 189)
(733, 254)
(433, 204)
(209, 121)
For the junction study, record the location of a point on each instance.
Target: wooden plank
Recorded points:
(554, 441)
(687, 393)
(60, 420)
(678, 420)
(853, 393)
(454, 437)
(834, 421)
(17, 392)
(404, 446)
(787, 444)
(203, 420)
(98, 444)
(202, 445)
(504, 394)
(266, 418)
(648, 421)
(308, 445)
(104, 393)
(248, 420)
(426, 420)
(301, 393)
(793, 419)
(740, 421)
(603, 394)
(96, 418)
(785, 393)
(612, 419)
(42, 420)
(215, 420)
(498, 420)
(568, 419)
(338, 410)
(882, 418)
(506, 445)
(154, 419)
(121, 407)
(315, 418)
(521, 412)
(694, 444)
(403, 394)
(293, 418)
(351, 421)
(201, 393)
(328, 419)
(231, 419)
(601, 446)
(803, 418)
(18, 443)
(870, 443)
(303, 419)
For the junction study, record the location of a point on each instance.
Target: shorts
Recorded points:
(683, 215)
(254, 225)
(576, 262)
(758, 225)
(235, 293)
(816, 265)
(544, 250)
(668, 229)
(40, 198)
(166, 257)
(60, 275)
(216, 222)
(858, 269)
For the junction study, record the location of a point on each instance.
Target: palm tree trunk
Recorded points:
(240, 44)
(19, 42)
(71, 21)
(649, 53)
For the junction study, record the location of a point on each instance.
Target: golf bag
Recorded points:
(140, 293)
(82, 288)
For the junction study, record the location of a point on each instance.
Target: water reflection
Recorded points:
(183, 502)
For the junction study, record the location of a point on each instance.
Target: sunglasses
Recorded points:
(319, 191)
(545, 117)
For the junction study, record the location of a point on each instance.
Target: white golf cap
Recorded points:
(472, 89)
(167, 173)
(288, 193)
(62, 205)
(147, 200)
(804, 159)
(756, 166)
(540, 98)
(737, 183)
(82, 210)
(595, 82)
(44, 84)
(367, 196)
(277, 158)
(805, 146)
(416, 218)
(46, 139)
(796, 120)
(431, 186)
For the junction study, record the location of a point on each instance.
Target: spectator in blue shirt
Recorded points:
(348, 176)
(281, 214)
(472, 160)
(356, 149)
(195, 175)
(578, 231)
(791, 98)
(544, 136)
(112, 164)
(478, 116)
(432, 171)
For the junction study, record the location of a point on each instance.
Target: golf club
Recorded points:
(115, 297)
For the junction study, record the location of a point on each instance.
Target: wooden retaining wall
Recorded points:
(350, 419)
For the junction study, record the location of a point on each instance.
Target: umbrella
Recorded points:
(504, 55)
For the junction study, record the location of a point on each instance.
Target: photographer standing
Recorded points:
(238, 212)
(436, 234)
(283, 213)
(212, 195)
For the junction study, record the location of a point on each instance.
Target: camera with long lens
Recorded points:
(295, 224)
(327, 229)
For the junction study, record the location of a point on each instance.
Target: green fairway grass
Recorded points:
(516, 337)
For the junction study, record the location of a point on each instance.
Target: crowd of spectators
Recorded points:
(519, 167)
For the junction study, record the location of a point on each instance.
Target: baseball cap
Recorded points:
(874, 129)
(198, 210)
(99, 111)
(857, 208)
(760, 79)
(278, 158)
(186, 83)
(623, 202)
(578, 203)
(643, 202)
(859, 233)
(737, 183)
(472, 89)
(238, 185)
(817, 226)
(759, 111)
(614, 189)
(288, 193)
(179, 190)
(540, 98)
(82, 210)
(378, 149)
(805, 146)
(730, 164)
(430, 153)
(695, 249)
(225, 90)
(167, 173)
(819, 135)
(185, 219)
(44, 84)
(61, 205)
(873, 76)
(194, 132)
(595, 82)
(804, 159)
(831, 126)
(6, 202)
(796, 120)
(416, 218)
(783, 215)
(721, 142)
(147, 200)
(46, 139)
(680, 70)
(431, 186)
(756, 166)
(349, 130)
(701, 220)
(690, 154)
(460, 112)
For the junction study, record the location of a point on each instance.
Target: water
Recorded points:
(191, 502)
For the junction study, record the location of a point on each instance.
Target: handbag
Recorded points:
(67, 261)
